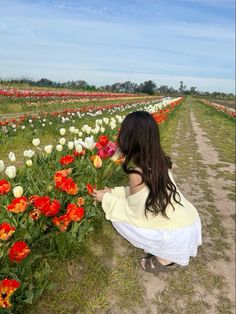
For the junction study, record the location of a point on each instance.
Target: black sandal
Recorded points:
(150, 264)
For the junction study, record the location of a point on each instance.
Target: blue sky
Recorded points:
(105, 41)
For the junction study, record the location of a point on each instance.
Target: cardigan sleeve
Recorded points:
(121, 191)
(115, 207)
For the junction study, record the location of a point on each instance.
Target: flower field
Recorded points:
(228, 111)
(49, 164)
(14, 100)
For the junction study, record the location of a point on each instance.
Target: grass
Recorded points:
(94, 281)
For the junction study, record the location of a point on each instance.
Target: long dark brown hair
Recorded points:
(139, 141)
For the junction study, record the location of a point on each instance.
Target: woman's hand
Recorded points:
(98, 194)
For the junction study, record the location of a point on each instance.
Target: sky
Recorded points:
(105, 41)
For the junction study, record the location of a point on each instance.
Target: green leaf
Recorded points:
(29, 297)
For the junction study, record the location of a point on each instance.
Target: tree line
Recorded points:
(147, 87)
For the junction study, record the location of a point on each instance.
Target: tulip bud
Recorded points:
(11, 172)
(117, 155)
(1, 165)
(62, 141)
(59, 147)
(97, 162)
(28, 153)
(78, 148)
(36, 142)
(29, 162)
(62, 131)
(17, 191)
(70, 145)
(48, 149)
(12, 157)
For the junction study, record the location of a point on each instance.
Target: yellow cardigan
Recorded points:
(119, 206)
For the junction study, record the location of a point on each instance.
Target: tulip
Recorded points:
(117, 155)
(62, 141)
(106, 120)
(12, 157)
(59, 147)
(1, 165)
(88, 143)
(29, 153)
(97, 162)
(71, 129)
(88, 130)
(62, 131)
(29, 162)
(78, 148)
(18, 191)
(48, 149)
(11, 172)
(70, 145)
(36, 142)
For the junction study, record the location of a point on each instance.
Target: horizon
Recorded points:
(104, 43)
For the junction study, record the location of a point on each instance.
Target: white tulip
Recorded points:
(102, 129)
(11, 172)
(29, 162)
(70, 145)
(117, 155)
(1, 165)
(88, 143)
(23, 127)
(78, 148)
(59, 147)
(62, 141)
(84, 127)
(71, 129)
(18, 191)
(106, 120)
(80, 134)
(29, 153)
(62, 131)
(48, 149)
(36, 142)
(12, 157)
(88, 130)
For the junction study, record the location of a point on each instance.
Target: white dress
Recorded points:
(175, 239)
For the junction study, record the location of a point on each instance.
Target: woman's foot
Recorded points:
(153, 264)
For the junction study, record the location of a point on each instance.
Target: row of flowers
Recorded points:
(52, 209)
(39, 102)
(229, 111)
(13, 92)
(99, 126)
(78, 111)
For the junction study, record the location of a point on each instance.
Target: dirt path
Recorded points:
(195, 169)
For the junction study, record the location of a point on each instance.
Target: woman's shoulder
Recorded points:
(135, 181)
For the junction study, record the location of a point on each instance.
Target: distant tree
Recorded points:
(149, 87)
(182, 87)
(44, 82)
(192, 90)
